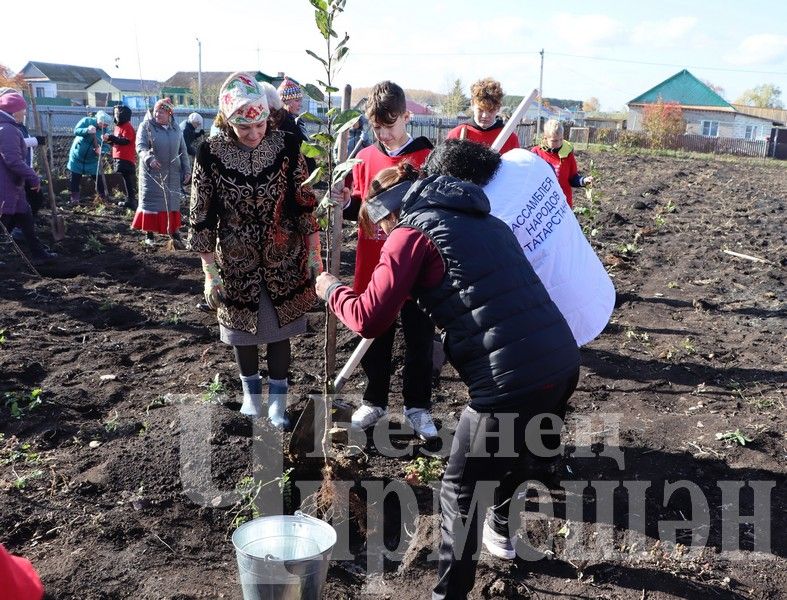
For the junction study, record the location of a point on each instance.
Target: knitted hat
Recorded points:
(103, 118)
(241, 101)
(272, 95)
(195, 119)
(289, 90)
(12, 102)
(166, 104)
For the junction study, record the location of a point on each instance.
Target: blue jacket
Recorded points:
(82, 157)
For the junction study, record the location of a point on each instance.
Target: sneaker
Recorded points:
(366, 416)
(149, 242)
(421, 421)
(498, 545)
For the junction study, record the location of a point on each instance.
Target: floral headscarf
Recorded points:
(241, 101)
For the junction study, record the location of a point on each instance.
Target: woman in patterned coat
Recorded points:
(251, 221)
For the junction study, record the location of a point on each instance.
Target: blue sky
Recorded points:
(611, 50)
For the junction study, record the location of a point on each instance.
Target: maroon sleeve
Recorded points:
(408, 258)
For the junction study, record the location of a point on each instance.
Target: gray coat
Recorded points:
(160, 190)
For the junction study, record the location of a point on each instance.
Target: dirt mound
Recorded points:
(125, 466)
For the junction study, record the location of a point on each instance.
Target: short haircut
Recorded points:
(386, 103)
(463, 159)
(487, 93)
(552, 127)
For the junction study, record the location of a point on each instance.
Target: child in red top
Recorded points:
(387, 112)
(560, 155)
(123, 140)
(486, 100)
(18, 578)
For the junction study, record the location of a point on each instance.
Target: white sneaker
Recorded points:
(421, 421)
(498, 545)
(366, 416)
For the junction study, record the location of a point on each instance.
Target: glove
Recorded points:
(41, 139)
(214, 286)
(314, 259)
(91, 129)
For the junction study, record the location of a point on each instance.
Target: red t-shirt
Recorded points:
(483, 136)
(375, 159)
(18, 578)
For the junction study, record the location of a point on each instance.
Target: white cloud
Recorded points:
(760, 49)
(586, 33)
(663, 34)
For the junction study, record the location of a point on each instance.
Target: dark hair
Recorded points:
(463, 159)
(386, 103)
(385, 180)
(274, 121)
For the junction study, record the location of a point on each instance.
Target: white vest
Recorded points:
(525, 194)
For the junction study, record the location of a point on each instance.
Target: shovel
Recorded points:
(304, 428)
(58, 223)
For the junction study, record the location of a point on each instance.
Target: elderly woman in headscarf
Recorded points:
(87, 147)
(251, 222)
(163, 169)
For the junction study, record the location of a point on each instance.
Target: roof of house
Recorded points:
(135, 85)
(416, 108)
(685, 89)
(66, 73)
(188, 78)
(777, 115)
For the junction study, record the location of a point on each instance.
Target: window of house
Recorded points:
(710, 128)
(751, 132)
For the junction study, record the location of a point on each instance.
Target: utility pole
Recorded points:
(199, 74)
(540, 92)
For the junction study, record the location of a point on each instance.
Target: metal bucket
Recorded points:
(284, 557)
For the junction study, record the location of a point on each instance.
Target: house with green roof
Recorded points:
(705, 112)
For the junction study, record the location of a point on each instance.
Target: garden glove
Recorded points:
(314, 257)
(214, 286)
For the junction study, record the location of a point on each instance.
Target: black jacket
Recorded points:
(502, 332)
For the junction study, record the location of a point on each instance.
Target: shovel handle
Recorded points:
(355, 358)
(42, 154)
(512, 123)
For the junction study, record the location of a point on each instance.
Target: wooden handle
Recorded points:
(512, 123)
(42, 153)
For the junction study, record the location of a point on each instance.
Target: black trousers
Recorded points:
(377, 363)
(76, 180)
(129, 172)
(490, 468)
(24, 220)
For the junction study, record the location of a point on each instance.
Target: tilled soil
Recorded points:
(110, 486)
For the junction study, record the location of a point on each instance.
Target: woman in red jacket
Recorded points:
(18, 578)
(560, 154)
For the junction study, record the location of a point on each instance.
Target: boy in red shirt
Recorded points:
(560, 155)
(486, 100)
(123, 140)
(387, 112)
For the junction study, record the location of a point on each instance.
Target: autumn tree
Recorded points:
(663, 122)
(591, 105)
(455, 102)
(8, 79)
(716, 88)
(766, 95)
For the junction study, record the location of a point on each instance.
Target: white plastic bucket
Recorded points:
(283, 557)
